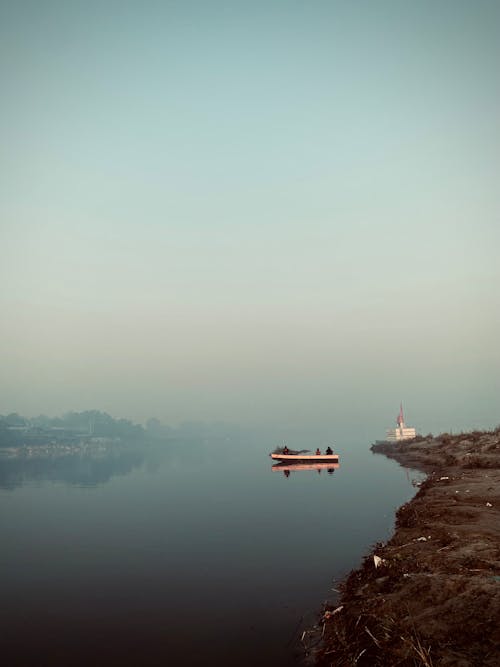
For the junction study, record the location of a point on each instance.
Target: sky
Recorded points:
(281, 214)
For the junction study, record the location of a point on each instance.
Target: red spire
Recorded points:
(400, 419)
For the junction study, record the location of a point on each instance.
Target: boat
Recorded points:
(292, 458)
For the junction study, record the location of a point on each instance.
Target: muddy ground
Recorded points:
(431, 595)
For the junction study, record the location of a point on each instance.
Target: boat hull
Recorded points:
(292, 459)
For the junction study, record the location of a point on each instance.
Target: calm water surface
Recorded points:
(187, 553)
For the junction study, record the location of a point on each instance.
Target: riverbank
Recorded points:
(430, 595)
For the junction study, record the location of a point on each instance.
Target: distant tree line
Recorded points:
(16, 430)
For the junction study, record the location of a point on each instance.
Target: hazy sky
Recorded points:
(267, 212)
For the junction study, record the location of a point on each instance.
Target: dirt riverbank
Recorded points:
(431, 595)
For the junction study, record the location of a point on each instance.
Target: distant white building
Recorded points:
(402, 432)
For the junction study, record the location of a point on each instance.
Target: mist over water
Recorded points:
(186, 552)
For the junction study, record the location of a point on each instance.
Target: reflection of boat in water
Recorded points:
(282, 467)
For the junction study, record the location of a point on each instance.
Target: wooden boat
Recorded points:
(305, 458)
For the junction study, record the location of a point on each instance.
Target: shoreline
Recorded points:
(431, 594)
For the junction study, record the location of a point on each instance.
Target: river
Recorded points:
(183, 553)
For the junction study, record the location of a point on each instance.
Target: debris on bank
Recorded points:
(431, 595)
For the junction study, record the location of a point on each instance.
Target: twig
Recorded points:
(374, 638)
(359, 656)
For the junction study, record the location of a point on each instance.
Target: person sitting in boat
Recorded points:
(329, 451)
(318, 453)
(285, 450)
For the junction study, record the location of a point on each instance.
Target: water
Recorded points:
(185, 553)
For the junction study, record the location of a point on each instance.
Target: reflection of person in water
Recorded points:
(330, 471)
(329, 450)
(286, 473)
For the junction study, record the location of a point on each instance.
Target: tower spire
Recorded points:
(400, 421)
